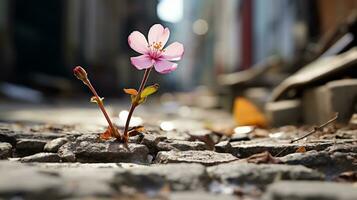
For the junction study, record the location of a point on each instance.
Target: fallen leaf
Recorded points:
(349, 176)
(264, 157)
(106, 135)
(246, 113)
(301, 149)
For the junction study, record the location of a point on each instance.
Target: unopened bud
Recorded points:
(80, 73)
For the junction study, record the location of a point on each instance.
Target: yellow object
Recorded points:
(246, 113)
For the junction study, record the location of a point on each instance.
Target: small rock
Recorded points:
(202, 157)
(26, 147)
(180, 177)
(223, 146)
(304, 190)
(88, 148)
(151, 141)
(42, 157)
(181, 145)
(247, 173)
(5, 150)
(54, 145)
(65, 152)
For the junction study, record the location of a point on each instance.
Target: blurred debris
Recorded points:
(349, 176)
(335, 96)
(250, 77)
(353, 121)
(284, 112)
(264, 157)
(321, 70)
(246, 113)
(21, 93)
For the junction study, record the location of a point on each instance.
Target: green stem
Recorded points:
(101, 106)
(134, 104)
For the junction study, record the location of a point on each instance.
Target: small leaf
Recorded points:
(106, 135)
(142, 100)
(136, 130)
(149, 90)
(94, 99)
(130, 91)
(301, 149)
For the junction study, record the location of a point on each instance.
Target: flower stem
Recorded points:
(134, 104)
(101, 106)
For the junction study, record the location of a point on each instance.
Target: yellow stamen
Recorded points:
(157, 45)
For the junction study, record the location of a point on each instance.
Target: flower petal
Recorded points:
(142, 62)
(164, 66)
(173, 52)
(137, 41)
(158, 33)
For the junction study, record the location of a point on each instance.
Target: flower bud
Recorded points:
(80, 73)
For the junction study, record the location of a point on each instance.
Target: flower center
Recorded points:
(157, 46)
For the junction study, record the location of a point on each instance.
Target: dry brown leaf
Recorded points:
(136, 130)
(246, 113)
(301, 149)
(264, 157)
(106, 135)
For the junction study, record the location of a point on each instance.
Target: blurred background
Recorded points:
(233, 48)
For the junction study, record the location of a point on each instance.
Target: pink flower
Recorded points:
(153, 53)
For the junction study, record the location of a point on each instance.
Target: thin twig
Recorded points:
(314, 130)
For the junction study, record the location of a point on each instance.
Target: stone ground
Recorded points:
(55, 153)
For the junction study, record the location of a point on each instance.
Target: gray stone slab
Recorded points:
(181, 145)
(239, 173)
(182, 176)
(313, 190)
(203, 157)
(89, 148)
(200, 195)
(42, 157)
(27, 183)
(245, 149)
(55, 144)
